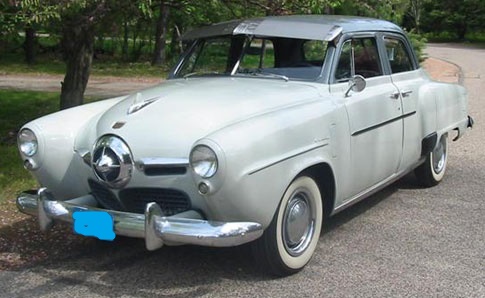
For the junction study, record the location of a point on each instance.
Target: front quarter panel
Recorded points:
(58, 167)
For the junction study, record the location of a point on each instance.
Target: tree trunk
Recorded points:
(329, 10)
(462, 30)
(30, 45)
(78, 50)
(161, 35)
(124, 47)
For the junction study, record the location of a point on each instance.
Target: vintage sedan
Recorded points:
(264, 128)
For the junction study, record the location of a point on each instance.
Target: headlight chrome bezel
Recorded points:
(204, 161)
(28, 143)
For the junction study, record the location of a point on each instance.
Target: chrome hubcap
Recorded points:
(298, 224)
(439, 157)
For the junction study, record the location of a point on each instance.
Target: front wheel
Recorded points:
(432, 171)
(290, 240)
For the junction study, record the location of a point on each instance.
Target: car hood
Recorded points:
(167, 119)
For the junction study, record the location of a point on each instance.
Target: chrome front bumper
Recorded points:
(155, 228)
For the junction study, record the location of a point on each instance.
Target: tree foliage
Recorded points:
(458, 17)
(134, 28)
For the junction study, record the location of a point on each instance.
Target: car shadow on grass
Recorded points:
(125, 266)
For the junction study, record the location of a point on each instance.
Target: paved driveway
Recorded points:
(403, 241)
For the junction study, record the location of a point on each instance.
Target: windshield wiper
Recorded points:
(261, 73)
(201, 73)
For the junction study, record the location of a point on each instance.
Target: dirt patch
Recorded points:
(97, 86)
(442, 71)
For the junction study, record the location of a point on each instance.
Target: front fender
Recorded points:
(262, 156)
(56, 166)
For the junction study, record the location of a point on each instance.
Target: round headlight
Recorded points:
(203, 161)
(27, 142)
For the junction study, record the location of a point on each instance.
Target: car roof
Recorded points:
(316, 27)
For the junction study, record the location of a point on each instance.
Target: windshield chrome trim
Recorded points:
(333, 33)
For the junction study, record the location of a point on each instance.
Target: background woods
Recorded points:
(83, 33)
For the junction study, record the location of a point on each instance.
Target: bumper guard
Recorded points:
(153, 226)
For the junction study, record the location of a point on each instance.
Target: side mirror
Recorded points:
(356, 84)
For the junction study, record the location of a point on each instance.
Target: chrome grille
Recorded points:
(171, 201)
(104, 196)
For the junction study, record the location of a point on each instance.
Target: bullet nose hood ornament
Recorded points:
(112, 161)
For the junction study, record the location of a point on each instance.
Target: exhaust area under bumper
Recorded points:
(153, 226)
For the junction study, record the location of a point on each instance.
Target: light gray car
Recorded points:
(265, 127)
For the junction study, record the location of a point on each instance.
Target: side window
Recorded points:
(398, 55)
(365, 56)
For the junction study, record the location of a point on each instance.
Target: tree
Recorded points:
(12, 17)
(76, 21)
(414, 12)
(7, 22)
(458, 17)
(174, 16)
(161, 32)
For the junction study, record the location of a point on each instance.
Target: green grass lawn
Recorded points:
(16, 109)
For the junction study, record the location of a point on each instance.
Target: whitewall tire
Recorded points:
(432, 171)
(287, 245)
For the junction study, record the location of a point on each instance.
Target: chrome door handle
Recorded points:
(394, 95)
(406, 93)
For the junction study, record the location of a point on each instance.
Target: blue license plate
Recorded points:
(97, 224)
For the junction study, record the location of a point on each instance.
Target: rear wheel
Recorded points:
(432, 171)
(287, 245)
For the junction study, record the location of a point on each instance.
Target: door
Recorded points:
(374, 115)
(408, 79)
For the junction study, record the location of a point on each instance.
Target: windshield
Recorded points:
(239, 55)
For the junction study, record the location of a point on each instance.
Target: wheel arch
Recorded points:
(323, 175)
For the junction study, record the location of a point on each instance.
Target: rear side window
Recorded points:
(398, 55)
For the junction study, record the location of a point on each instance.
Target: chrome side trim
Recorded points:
(383, 123)
(163, 166)
(161, 162)
(152, 226)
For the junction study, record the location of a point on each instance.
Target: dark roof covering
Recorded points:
(318, 27)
